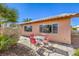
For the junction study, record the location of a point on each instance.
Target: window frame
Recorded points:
(40, 28)
(57, 28)
(26, 29)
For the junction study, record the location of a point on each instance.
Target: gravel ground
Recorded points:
(19, 50)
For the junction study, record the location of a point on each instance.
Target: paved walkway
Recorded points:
(64, 48)
(56, 49)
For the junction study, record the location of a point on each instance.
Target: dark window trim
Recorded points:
(42, 31)
(57, 28)
(25, 29)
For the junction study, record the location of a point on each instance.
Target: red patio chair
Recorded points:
(32, 39)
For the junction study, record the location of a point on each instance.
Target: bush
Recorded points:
(6, 42)
(10, 32)
(76, 53)
(9, 38)
(74, 28)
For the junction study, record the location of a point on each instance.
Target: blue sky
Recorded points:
(42, 10)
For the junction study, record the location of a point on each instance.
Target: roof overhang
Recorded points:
(70, 15)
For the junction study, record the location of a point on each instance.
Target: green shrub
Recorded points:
(76, 53)
(9, 38)
(6, 42)
(74, 28)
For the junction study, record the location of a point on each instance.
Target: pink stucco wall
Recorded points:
(64, 30)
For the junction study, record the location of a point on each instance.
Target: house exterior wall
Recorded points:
(64, 30)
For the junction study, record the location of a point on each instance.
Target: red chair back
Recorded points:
(32, 39)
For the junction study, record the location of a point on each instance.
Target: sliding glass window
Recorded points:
(45, 28)
(28, 28)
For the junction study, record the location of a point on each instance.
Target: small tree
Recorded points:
(7, 38)
(27, 20)
(7, 14)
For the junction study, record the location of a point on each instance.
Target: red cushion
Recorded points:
(32, 40)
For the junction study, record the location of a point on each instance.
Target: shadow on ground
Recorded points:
(19, 50)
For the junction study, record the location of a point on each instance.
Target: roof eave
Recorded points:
(55, 17)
